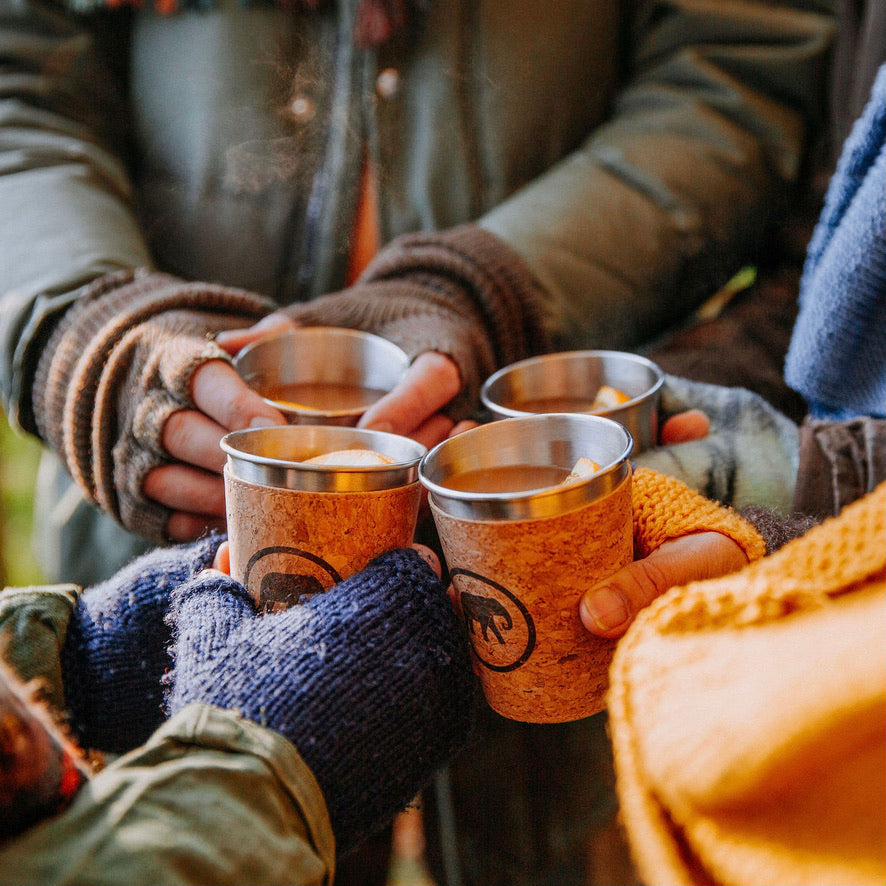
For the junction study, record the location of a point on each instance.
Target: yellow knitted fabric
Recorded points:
(666, 508)
(747, 717)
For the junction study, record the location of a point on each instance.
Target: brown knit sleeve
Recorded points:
(463, 292)
(666, 508)
(118, 364)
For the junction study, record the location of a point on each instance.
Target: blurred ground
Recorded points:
(407, 856)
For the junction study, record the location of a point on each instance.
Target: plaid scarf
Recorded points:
(375, 20)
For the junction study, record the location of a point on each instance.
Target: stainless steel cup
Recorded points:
(520, 560)
(297, 528)
(326, 358)
(569, 381)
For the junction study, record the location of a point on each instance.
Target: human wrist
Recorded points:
(116, 365)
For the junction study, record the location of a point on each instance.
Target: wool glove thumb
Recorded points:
(371, 681)
(116, 649)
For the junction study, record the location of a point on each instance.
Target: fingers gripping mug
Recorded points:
(296, 526)
(524, 537)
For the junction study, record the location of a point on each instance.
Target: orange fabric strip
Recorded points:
(366, 237)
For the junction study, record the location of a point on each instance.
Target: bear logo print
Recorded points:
(281, 576)
(500, 628)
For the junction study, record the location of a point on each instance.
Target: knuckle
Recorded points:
(241, 406)
(649, 582)
(154, 483)
(443, 370)
(175, 428)
(181, 434)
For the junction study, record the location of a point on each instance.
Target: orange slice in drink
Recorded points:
(582, 469)
(608, 398)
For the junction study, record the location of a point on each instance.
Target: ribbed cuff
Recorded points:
(666, 508)
(98, 368)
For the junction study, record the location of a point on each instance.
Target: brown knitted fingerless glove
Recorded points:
(463, 293)
(666, 508)
(116, 367)
(840, 461)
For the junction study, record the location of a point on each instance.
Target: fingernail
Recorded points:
(606, 608)
(222, 336)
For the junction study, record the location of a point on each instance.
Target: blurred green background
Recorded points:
(18, 468)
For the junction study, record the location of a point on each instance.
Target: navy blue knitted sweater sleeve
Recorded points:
(371, 681)
(116, 650)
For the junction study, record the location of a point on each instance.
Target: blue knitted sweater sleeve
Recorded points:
(837, 359)
(116, 650)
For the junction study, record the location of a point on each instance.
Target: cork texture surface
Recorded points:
(286, 543)
(518, 584)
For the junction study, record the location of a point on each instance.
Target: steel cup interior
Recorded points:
(558, 439)
(580, 374)
(275, 456)
(321, 354)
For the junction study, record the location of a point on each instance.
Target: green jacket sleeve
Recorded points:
(61, 179)
(706, 134)
(210, 798)
(33, 625)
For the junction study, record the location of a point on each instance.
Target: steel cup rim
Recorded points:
(293, 473)
(540, 359)
(321, 333)
(531, 502)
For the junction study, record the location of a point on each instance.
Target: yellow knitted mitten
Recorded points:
(747, 717)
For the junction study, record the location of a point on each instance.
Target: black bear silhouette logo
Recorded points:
(281, 576)
(501, 630)
(484, 611)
